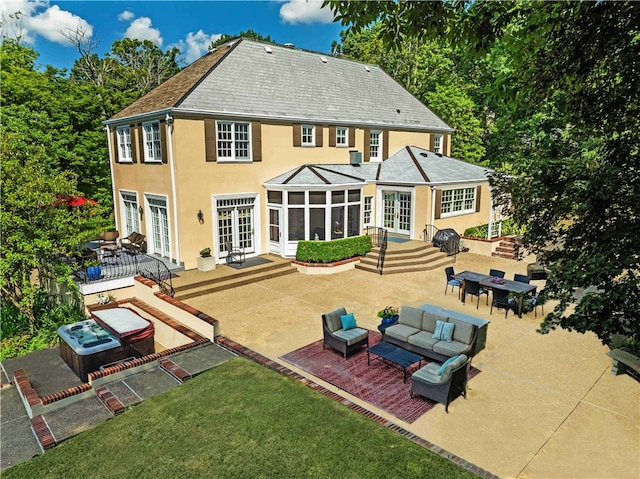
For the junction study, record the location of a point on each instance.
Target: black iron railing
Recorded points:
(429, 232)
(383, 249)
(117, 264)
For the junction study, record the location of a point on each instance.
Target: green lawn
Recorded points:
(238, 420)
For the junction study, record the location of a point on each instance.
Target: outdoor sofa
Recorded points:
(415, 330)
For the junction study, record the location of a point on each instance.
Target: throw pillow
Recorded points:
(348, 321)
(447, 332)
(438, 333)
(445, 364)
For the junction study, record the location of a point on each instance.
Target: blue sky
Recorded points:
(189, 25)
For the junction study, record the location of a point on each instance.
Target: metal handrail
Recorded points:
(429, 232)
(382, 235)
(122, 264)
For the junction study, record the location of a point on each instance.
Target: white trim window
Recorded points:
(233, 141)
(458, 201)
(124, 144)
(437, 144)
(152, 146)
(308, 135)
(368, 211)
(375, 146)
(130, 212)
(342, 136)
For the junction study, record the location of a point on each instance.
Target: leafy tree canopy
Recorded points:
(249, 34)
(569, 80)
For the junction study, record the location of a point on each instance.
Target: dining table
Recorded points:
(519, 289)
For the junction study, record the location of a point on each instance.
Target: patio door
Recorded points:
(236, 224)
(159, 243)
(396, 215)
(275, 230)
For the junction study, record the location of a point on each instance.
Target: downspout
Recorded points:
(433, 206)
(169, 120)
(116, 217)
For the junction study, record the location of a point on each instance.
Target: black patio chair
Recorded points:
(521, 278)
(451, 281)
(234, 255)
(473, 288)
(496, 273)
(501, 300)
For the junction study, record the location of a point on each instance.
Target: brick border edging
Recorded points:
(326, 265)
(275, 366)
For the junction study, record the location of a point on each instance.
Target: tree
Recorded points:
(249, 34)
(432, 71)
(573, 84)
(37, 224)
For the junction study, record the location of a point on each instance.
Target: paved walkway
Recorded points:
(544, 406)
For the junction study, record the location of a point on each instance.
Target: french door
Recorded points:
(159, 217)
(275, 230)
(396, 214)
(235, 224)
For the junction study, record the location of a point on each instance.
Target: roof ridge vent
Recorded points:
(289, 45)
(367, 68)
(268, 49)
(323, 59)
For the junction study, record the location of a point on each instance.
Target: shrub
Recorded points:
(482, 231)
(330, 251)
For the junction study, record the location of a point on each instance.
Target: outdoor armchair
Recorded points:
(234, 255)
(442, 382)
(337, 338)
(134, 243)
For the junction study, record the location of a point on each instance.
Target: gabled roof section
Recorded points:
(252, 81)
(170, 93)
(324, 175)
(415, 165)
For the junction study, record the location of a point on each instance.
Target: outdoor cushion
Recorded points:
(445, 364)
(446, 374)
(439, 331)
(411, 317)
(400, 331)
(447, 332)
(423, 339)
(429, 321)
(333, 319)
(450, 349)
(352, 336)
(348, 321)
(428, 374)
(463, 331)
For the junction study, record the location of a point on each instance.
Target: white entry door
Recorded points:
(275, 230)
(236, 224)
(396, 216)
(159, 243)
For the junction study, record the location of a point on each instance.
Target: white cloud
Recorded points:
(305, 11)
(34, 21)
(196, 45)
(126, 16)
(141, 29)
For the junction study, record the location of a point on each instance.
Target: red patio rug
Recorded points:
(378, 384)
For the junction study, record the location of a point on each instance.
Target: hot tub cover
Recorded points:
(124, 323)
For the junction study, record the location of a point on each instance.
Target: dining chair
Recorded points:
(521, 278)
(473, 288)
(496, 273)
(501, 300)
(451, 281)
(534, 300)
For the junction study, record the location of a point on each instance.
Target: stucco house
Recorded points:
(264, 145)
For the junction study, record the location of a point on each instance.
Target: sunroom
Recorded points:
(317, 203)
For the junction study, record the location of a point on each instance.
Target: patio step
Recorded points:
(413, 256)
(508, 248)
(110, 401)
(229, 281)
(42, 432)
(174, 370)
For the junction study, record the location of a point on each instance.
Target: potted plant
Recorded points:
(389, 314)
(205, 252)
(93, 269)
(206, 262)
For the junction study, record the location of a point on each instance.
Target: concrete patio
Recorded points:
(544, 406)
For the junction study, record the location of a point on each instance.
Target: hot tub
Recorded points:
(85, 346)
(129, 327)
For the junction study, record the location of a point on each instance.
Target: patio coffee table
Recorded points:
(394, 356)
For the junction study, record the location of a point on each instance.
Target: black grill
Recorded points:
(448, 241)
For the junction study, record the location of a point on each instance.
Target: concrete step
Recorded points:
(233, 281)
(406, 268)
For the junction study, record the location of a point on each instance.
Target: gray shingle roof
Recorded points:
(292, 85)
(419, 166)
(325, 175)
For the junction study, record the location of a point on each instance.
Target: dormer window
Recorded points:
(437, 144)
